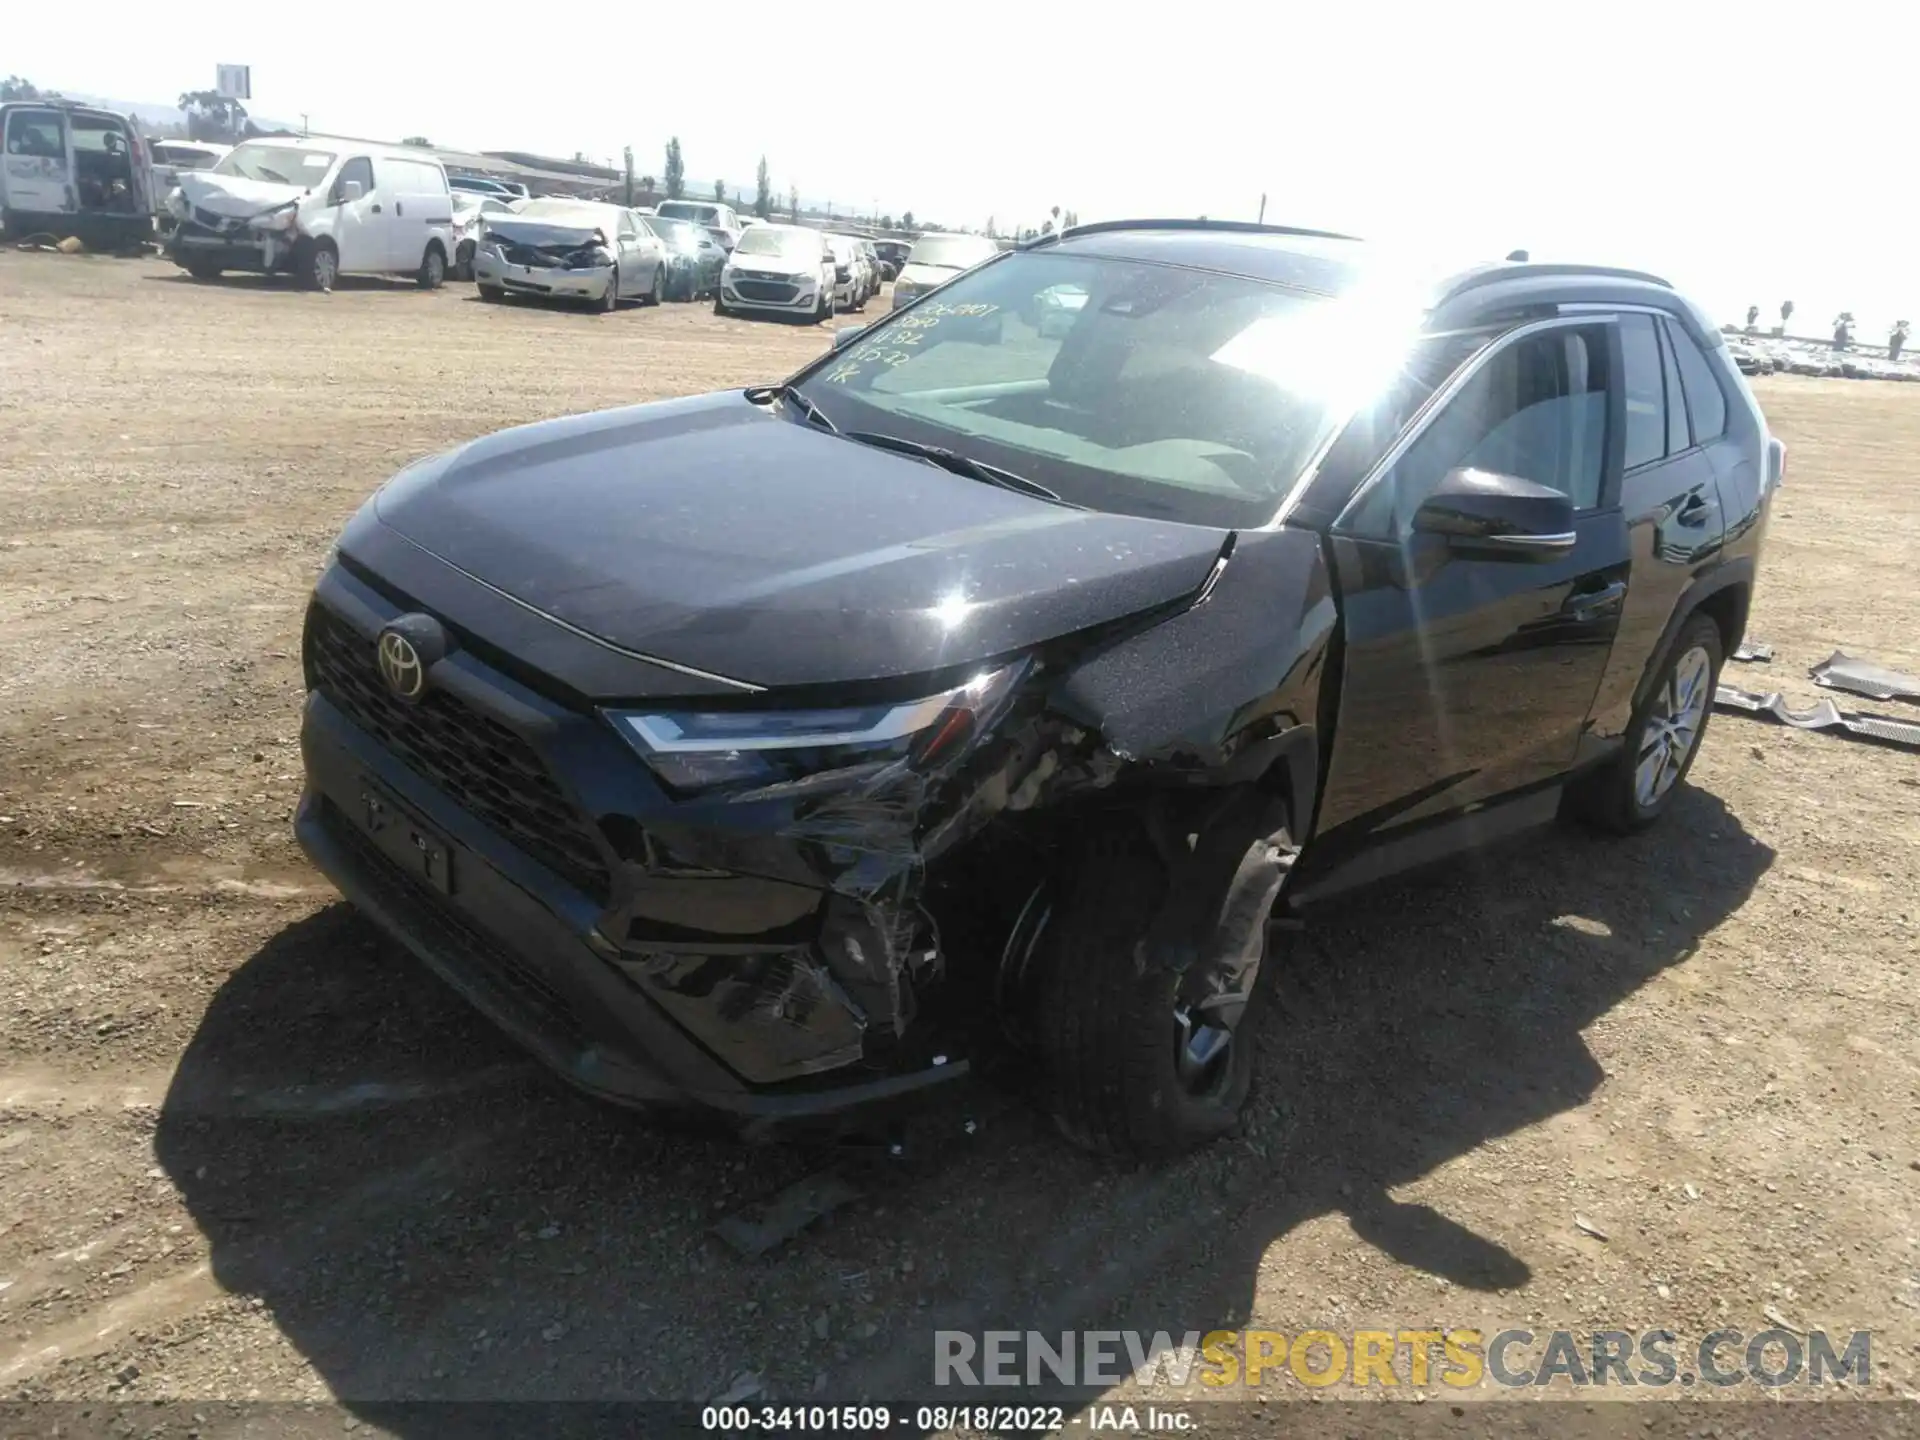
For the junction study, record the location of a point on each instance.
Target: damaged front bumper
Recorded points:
(491, 267)
(643, 947)
(237, 247)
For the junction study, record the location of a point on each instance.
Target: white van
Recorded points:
(315, 207)
(69, 169)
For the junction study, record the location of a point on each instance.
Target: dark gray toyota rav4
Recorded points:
(982, 692)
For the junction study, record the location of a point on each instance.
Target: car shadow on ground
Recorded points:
(426, 1216)
(255, 280)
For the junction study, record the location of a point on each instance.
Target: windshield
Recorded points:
(566, 212)
(787, 244)
(687, 210)
(277, 164)
(1124, 386)
(677, 233)
(952, 252)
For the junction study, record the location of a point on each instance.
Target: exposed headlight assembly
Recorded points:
(282, 218)
(701, 750)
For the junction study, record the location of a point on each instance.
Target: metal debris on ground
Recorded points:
(1824, 715)
(1753, 652)
(1587, 1225)
(1841, 671)
(758, 1229)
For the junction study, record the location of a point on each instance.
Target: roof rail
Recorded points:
(1493, 274)
(1240, 227)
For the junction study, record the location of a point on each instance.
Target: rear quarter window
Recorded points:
(1706, 401)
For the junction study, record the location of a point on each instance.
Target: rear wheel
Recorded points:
(658, 290)
(1637, 786)
(1128, 1068)
(610, 301)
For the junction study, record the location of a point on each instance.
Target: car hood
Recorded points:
(924, 275)
(235, 196)
(544, 234)
(774, 264)
(721, 536)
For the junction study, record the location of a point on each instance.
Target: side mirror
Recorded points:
(847, 336)
(350, 191)
(1481, 511)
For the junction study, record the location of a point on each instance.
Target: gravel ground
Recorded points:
(248, 1150)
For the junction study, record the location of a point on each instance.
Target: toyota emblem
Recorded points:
(401, 666)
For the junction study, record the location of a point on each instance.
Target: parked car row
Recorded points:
(316, 207)
(1755, 358)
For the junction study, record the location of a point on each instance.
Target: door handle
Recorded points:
(398, 208)
(1586, 605)
(376, 209)
(1694, 509)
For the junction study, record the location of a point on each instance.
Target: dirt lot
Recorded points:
(249, 1150)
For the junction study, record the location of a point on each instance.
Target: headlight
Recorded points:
(177, 205)
(281, 219)
(699, 750)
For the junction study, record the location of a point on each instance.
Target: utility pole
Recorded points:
(304, 129)
(627, 159)
(1263, 209)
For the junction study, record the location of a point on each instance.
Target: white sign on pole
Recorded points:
(235, 81)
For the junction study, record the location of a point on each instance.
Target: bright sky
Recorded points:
(1691, 138)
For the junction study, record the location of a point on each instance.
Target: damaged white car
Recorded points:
(558, 249)
(315, 208)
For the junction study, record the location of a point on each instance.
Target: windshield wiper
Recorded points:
(761, 394)
(960, 465)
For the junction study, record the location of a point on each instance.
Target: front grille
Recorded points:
(529, 255)
(220, 224)
(766, 290)
(475, 760)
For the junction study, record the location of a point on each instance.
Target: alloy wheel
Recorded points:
(1672, 727)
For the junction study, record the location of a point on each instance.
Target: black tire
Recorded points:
(1108, 1034)
(1612, 798)
(432, 273)
(463, 261)
(659, 290)
(317, 264)
(492, 294)
(824, 312)
(719, 305)
(610, 301)
(204, 270)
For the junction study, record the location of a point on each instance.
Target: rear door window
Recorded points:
(1646, 391)
(1676, 405)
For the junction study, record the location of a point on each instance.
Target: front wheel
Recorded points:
(1128, 1069)
(318, 265)
(492, 294)
(203, 270)
(1637, 786)
(433, 269)
(463, 262)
